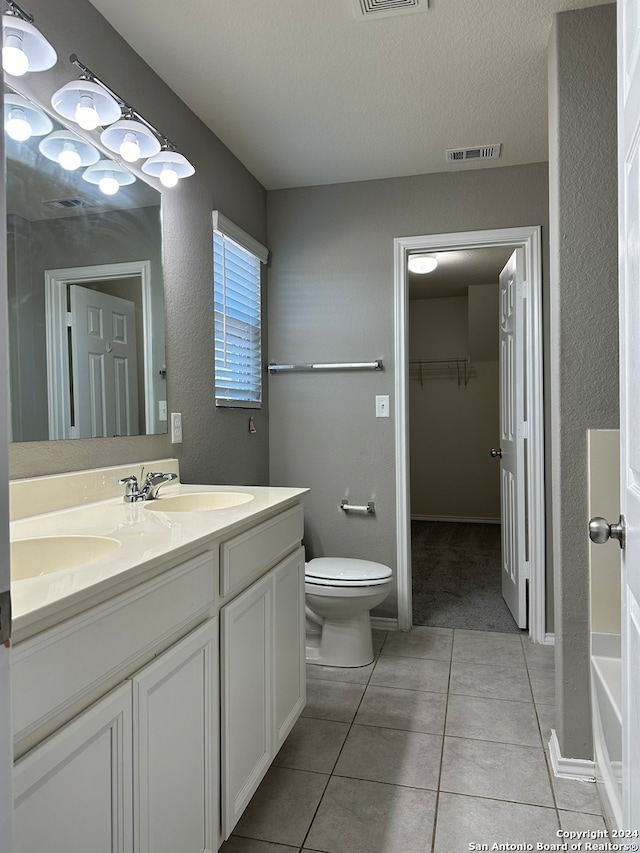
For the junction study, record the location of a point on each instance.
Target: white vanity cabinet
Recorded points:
(137, 771)
(175, 747)
(263, 679)
(145, 720)
(73, 792)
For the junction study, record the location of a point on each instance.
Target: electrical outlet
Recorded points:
(176, 428)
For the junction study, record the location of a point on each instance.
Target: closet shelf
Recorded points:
(426, 368)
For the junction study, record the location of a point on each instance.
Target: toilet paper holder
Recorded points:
(370, 508)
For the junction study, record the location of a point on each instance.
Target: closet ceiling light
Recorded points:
(24, 48)
(86, 103)
(422, 263)
(169, 166)
(109, 176)
(69, 150)
(131, 139)
(22, 119)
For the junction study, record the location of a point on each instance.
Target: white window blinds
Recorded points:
(237, 317)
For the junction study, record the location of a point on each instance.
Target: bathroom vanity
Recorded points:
(154, 683)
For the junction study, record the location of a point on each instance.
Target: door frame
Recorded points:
(529, 238)
(58, 378)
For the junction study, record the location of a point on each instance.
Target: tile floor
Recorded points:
(438, 745)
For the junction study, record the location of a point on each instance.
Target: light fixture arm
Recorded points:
(18, 11)
(127, 109)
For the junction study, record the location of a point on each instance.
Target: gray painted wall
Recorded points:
(331, 299)
(217, 445)
(584, 325)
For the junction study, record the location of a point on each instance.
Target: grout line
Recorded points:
(331, 774)
(444, 732)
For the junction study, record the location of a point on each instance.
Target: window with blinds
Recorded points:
(238, 357)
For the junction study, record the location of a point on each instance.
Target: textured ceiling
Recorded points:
(304, 93)
(458, 270)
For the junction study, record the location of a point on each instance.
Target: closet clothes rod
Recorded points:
(340, 365)
(453, 360)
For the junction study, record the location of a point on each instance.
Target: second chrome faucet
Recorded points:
(148, 491)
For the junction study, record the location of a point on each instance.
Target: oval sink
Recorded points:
(199, 501)
(43, 555)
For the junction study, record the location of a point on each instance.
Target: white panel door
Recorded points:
(629, 273)
(73, 791)
(512, 429)
(247, 699)
(175, 739)
(290, 681)
(104, 364)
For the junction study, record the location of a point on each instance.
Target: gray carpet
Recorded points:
(456, 577)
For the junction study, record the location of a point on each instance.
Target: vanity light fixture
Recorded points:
(422, 264)
(69, 150)
(169, 166)
(24, 48)
(129, 134)
(108, 175)
(22, 119)
(86, 103)
(131, 139)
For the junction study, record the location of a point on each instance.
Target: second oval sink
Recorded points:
(43, 555)
(199, 501)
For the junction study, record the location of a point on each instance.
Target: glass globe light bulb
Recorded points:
(168, 176)
(69, 158)
(17, 125)
(86, 113)
(130, 148)
(108, 184)
(14, 60)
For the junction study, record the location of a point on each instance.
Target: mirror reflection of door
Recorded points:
(103, 359)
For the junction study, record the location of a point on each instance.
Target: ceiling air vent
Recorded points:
(66, 203)
(370, 9)
(479, 152)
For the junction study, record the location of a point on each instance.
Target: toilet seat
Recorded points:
(346, 572)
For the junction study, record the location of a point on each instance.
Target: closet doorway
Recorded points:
(447, 416)
(454, 421)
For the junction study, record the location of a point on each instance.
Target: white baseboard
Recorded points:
(570, 768)
(455, 518)
(549, 639)
(384, 623)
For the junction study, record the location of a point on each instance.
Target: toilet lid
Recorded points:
(342, 571)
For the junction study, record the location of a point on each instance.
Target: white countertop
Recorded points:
(150, 540)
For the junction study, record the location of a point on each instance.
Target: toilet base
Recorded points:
(341, 642)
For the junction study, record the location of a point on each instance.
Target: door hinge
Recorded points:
(69, 319)
(526, 570)
(5, 616)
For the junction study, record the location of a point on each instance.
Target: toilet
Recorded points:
(340, 592)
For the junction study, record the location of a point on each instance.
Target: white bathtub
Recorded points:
(606, 700)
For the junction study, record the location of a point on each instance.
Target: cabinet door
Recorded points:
(290, 681)
(73, 791)
(175, 737)
(247, 715)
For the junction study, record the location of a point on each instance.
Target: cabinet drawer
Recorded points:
(66, 665)
(249, 555)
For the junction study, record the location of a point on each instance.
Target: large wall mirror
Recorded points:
(86, 306)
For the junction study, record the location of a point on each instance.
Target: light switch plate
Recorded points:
(382, 406)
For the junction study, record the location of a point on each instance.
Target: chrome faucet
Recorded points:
(149, 489)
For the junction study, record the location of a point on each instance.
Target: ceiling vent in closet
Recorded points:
(370, 9)
(479, 152)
